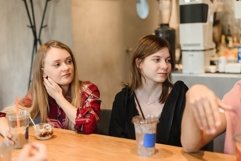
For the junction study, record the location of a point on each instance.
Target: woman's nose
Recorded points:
(65, 66)
(163, 64)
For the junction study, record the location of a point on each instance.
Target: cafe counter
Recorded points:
(220, 83)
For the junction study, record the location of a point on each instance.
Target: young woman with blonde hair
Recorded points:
(56, 95)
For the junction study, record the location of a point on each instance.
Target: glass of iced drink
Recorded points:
(18, 123)
(145, 130)
(237, 141)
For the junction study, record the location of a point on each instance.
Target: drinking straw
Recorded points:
(139, 106)
(34, 125)
(17, 112)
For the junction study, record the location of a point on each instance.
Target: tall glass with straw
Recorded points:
(18, 121)
(145, 130)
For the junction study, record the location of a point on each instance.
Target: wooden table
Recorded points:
(69, 146)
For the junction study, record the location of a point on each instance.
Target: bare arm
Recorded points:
(202, 118)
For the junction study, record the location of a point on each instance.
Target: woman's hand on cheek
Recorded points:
(53, 89)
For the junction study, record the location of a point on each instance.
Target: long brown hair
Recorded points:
(146, 46)
(37, 89)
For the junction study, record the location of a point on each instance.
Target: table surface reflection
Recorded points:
(68, 145)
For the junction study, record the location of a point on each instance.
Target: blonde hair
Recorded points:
(39, 94)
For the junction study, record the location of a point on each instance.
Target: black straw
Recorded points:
(139, 106)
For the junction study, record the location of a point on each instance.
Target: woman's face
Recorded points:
(156, 67)
(58, 65)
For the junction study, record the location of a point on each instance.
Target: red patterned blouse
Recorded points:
(87, 114)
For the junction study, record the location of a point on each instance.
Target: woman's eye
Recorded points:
(156, 60)
(56, 65)
(168, 60)
(69, 61)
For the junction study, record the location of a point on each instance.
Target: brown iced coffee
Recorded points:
(19, 140)
(18, 124)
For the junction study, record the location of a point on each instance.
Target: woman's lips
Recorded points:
(66, 75)
(162, 73)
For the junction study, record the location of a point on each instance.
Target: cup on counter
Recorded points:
(145, 130)
(18, 124)
(212, 68)
(5, 151)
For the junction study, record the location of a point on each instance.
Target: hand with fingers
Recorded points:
(33, 152)
(9, 138)
(204, 115)
(53, 89)
(206, 108)
(8, 141)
